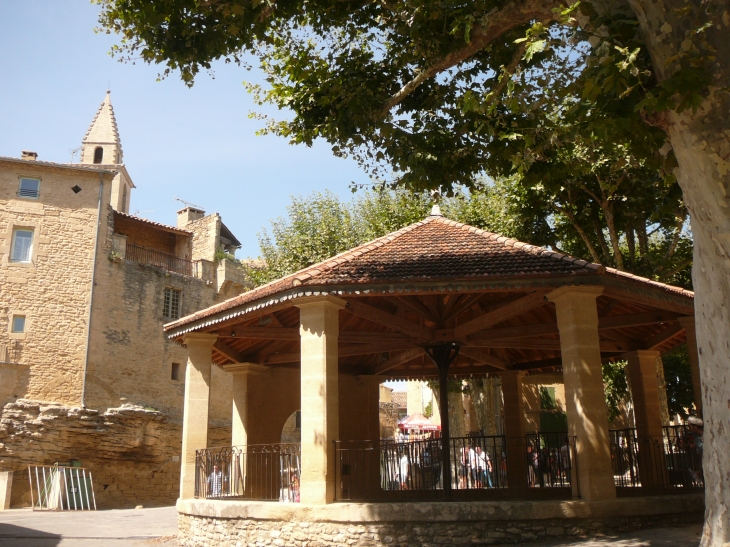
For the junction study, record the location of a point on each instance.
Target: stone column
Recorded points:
(239, 472)
(195, 411)
(688, 323)
(585, 399)
(319, 329)
(514, 429)
(642, 371)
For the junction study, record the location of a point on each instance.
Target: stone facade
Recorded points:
(133, 452)
(425, 524)
(67, 387)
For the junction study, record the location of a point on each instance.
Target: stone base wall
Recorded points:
(210, 532)
(231, 524)
(133, 453)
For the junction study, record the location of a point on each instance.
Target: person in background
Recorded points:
(215, 483)
(696, 443)
(565, 458)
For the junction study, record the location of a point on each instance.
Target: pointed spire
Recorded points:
(102, 135)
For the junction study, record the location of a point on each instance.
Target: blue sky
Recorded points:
(196, 144)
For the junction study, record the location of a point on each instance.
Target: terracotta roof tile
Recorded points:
(433, 250)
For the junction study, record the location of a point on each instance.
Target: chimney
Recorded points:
(188, 215)
(28, 155)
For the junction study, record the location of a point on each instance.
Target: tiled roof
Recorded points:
(400, 398)
(75, 166)
(153, 223)
(433, 250)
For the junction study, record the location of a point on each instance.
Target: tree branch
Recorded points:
(512, 15)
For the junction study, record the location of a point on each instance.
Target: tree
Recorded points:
(431, 93)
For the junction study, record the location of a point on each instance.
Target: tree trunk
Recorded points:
(701, 142)
(457, 421)
(482, 396)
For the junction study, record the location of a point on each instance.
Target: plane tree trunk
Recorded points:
(701, 142)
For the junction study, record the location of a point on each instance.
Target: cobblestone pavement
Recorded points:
(157, 527)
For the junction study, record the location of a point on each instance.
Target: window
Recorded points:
(22, 245)
(547, 398)
(175, 372)
(98, 154)
(171, 303)
(29, 188)
(18, 324)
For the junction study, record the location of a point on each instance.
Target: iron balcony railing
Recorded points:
(167, 261)
(670, 463)
(267, 472)
(10, 352)
(543, 466)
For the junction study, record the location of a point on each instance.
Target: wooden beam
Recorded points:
(541, 344)
(416, 306)
(517, 307)
(454, 371)
(464, 304)
(605, 323)
(348, 351)
(483, 357)
(227, 351)
(543, 363)
(662, 336)
(369, 337)
(636, 320)
(292, 334)
(397, 360)
(262, 333)
(381, 317)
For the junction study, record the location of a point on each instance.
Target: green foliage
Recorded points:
(615, 387)
(220, 254)
(428, 411)
(429, 93)
(680, 395)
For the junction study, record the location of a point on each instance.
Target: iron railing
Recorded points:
(10, 352)
(265, 472)
(167, 261)
(390, 471)
(669, 463)
(61, 488)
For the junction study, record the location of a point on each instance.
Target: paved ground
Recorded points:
(113, 528)
(156, 528)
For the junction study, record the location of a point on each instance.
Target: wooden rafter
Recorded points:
(416, 306)
(542, 344)
(482, 356)
(514, 308)
(662, 336)
(227, 351)
(397, 360)
(381, 317)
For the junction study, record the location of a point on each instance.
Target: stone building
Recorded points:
(85, 287)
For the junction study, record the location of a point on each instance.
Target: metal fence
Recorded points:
(10, 352)
(670, 463)
(167, 261)
(268, 472)
(542, 464)
(60, 488)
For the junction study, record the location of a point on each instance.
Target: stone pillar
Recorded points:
(239, 420)
(514, 429)
(319, 328)
(6, 487)
(238, 473)
(195, 411)
(688, 323)
(642, 371)
(585, 399)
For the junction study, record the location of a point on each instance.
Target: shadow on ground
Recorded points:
(12, 535)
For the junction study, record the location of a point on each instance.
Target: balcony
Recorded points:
(166, 261)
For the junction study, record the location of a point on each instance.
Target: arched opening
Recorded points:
(292, 430)
(98, 154)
